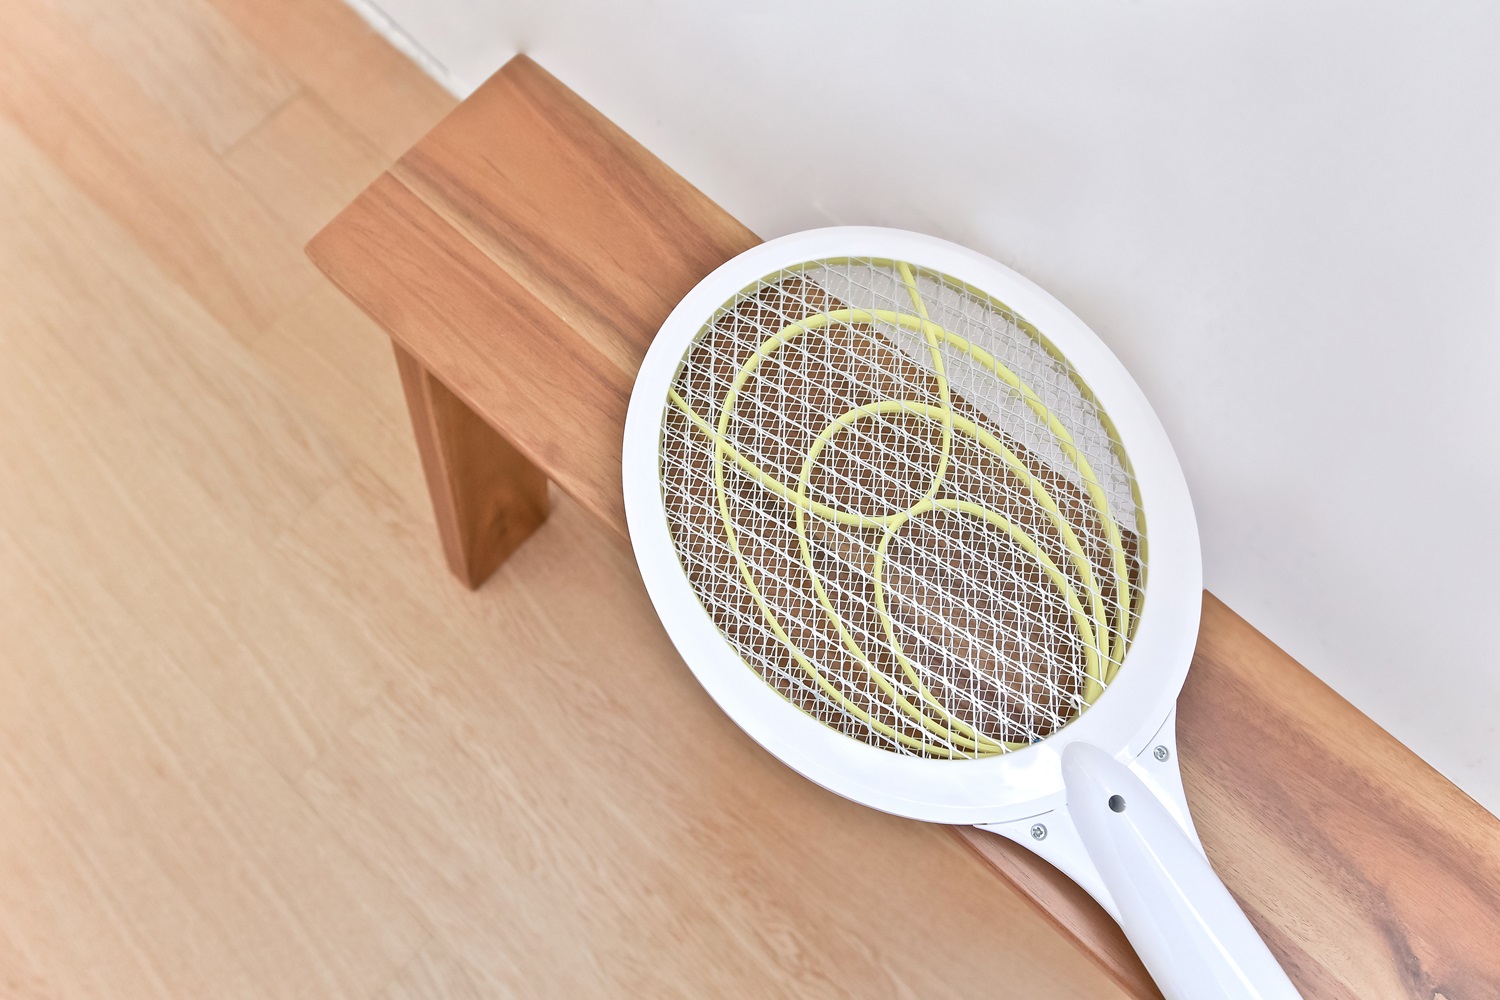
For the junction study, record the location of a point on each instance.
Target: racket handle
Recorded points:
(1188, 930)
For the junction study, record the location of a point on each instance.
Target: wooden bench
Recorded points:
(523, 255)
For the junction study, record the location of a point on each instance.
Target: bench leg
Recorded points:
(487, 496)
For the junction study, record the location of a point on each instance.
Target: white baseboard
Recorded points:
(408, 46)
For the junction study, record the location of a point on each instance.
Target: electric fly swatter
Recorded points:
(891, 501)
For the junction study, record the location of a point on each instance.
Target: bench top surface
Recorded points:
(527, 250)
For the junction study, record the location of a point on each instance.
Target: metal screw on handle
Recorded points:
(1038, 832)
(1161, 753)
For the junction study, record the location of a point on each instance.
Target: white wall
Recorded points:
(1284, 217)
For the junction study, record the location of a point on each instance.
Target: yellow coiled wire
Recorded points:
(1102, 659)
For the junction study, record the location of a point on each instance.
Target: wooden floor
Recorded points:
(254, 741)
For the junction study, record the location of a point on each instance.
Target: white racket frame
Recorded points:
(1102, 798)
(1005, 788)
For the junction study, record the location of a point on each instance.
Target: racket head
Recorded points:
(992, 789)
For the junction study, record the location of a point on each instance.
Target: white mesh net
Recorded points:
(903, 508)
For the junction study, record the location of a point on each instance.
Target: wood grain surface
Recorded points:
(488, 498)
(526, 251)
(254, 743)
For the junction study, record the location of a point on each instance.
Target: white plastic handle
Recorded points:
(1192, 936)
